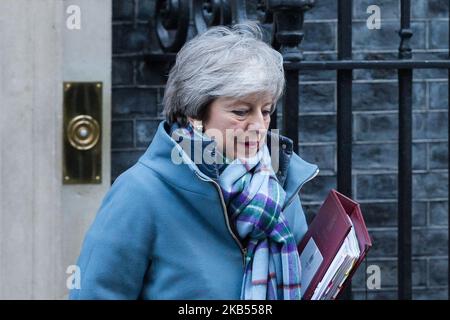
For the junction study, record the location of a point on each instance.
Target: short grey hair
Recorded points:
(221, 62)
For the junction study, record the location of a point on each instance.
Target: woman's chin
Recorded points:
(247, 153)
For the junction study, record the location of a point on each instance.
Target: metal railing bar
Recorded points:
(370, 64)
(344, 108)
(448, 137)
(405, 159)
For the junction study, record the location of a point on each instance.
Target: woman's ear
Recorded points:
(196, 124)
(191, 120)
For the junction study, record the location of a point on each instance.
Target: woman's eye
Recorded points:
(240, 113)
(266, 113)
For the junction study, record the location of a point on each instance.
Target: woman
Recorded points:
(211, 210)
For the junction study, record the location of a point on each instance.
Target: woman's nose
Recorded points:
(256, 122)
(255, 128)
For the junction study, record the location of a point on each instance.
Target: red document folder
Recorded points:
(328, 231)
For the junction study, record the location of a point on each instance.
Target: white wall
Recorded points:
(42, 221)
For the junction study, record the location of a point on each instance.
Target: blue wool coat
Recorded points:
(162, 231)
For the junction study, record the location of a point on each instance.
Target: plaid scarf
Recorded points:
(254, 199)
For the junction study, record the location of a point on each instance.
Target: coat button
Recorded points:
(283, 146)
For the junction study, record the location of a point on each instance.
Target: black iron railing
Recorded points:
(173, 23)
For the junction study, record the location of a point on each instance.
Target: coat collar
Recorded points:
(292, 171)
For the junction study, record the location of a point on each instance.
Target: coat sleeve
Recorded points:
(116, 251)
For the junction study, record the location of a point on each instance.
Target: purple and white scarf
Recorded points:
(255, 198)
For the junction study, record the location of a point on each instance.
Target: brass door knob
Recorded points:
(83, 132)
